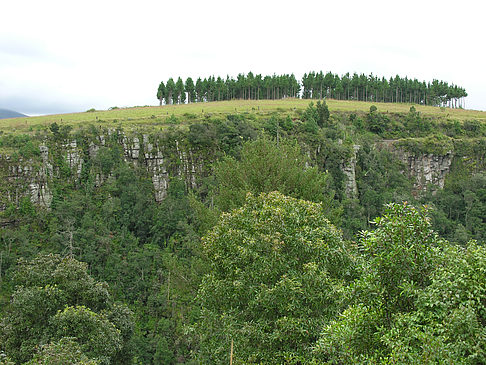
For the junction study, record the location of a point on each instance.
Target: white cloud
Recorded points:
(78, 55)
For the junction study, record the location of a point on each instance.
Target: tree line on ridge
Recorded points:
(314, 85)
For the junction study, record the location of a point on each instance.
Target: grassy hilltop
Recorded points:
(156, 116)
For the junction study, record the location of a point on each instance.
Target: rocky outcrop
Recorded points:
(163, 159)
(428, 171)
(349, 170)
(161, 163)
(39, 189)
(26, 178)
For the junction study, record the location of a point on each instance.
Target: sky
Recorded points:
(70, 56)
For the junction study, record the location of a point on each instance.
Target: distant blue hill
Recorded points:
(5, 113)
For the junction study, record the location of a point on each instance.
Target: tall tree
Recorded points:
(276, 270)
(56, 298)
(161, 91)
(180, 93)
(190, 90)
(171, 90)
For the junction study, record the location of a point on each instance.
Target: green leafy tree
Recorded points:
(398, 263)
(322, 113)
(277, 267)
(449, 322)
(266, 166)
(66, 351)
(45, 286)
(311, 116)
(96, 335)
(401, 251)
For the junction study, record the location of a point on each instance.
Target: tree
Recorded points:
(64, 352)
(199, 90)
(97, 336)
(276, 270)
(401, 251)
(170, 91)
(449, 322)
(322, 113)
(316, 85)
(398, 264)
(56, 298)
(266, 166)
(190, 90)
(180, 95)
(161, 91)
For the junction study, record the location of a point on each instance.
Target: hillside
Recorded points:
(156, 116)
(150, 207)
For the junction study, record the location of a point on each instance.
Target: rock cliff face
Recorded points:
(163, 159)
(428, 171)
(349, 169)
(33, 177)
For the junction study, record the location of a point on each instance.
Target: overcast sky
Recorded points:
(68, 56)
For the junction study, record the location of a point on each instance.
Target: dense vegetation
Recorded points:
(308, 274)
(314, 85)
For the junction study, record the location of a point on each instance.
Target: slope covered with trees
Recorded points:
(107, 274)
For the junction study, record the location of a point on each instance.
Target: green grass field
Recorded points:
(155, 116)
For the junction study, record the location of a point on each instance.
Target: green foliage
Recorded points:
(316, 85)
(380, 180)
(311, 118)
(322, 113)
(202, 135)
(107, 159)
(172, 213)
(97, 337)
(24, 145)
(150, 253)
(450, 313)
(461, 207)
(384, 323)
(401, 254)
(4, 359)
(47, 284)
(377, 122)
(310, 126)
(267, 166)
(277, 267)
(172, 119)
(287, 123)
(433, 144)
(64, 352)
(272, 126)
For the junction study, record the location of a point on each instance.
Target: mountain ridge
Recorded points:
(7, 114)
